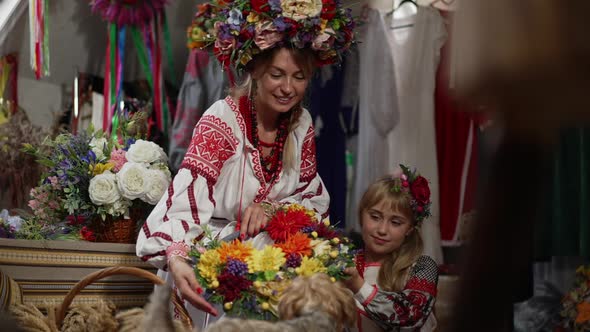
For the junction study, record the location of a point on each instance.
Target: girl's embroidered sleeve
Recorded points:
(176, 220)
(310, 191)
(409, 308)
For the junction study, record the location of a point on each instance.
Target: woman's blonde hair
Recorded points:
(395, 268)
(306, 60)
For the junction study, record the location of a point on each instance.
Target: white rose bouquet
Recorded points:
(94, 178)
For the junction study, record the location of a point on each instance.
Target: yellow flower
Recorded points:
(299, 207)
(310, 266)
(215, 284)
(100, 168)
(265, 306)
(268, 259)
(323, 25)
(197, 38)
(228, 305)
(327, 222)
(208, 265)
(332, 279)
(245, 58)
(334, 254)
(253, 17)
(335, 240)
(314, 234)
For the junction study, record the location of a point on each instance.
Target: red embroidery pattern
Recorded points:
(146, 230)
(177, 249)
(308, 163)
(169, 200)
(229, 100)
(255, 154)
(184, 225)
(213, 143)
(193, 203)
(422, 285)
(162, 236)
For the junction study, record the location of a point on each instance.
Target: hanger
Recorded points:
(398, 6)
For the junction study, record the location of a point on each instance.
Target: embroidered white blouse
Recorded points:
(221, 173)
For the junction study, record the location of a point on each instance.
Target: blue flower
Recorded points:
(235, 17)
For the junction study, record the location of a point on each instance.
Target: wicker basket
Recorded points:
(115, 230)
(118, 270)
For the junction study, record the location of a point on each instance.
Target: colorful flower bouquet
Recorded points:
(576, 303)
(92, 179)
(249, 281)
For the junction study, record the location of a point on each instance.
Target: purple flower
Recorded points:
(308, 229)
(223, 31)
(275, 5)
(280, 23)
(236, 267)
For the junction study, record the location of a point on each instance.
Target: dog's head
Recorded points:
(318, 293)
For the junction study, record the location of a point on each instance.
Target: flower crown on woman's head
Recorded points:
(415, 185)
(240, 29)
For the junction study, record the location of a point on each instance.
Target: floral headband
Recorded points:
(412, 183)
(240, 29)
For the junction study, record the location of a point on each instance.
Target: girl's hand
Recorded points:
(254, 220)
(355, 282)
(186, 282)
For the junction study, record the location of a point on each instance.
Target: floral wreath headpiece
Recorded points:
(412, 183)
(240, 29)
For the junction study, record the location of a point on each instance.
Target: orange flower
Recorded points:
(235, 249)
(583, 312)
(298, 243)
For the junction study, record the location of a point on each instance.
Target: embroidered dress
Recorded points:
(408, 310)
(222, 169)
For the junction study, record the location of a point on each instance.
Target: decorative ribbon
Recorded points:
(168, 47)
(147, 40)
(39, 36)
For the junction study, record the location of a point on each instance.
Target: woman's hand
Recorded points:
(254, 220)
(355, 282)
(186, 282)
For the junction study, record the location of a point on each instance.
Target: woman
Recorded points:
(394, 284)
(255, 145)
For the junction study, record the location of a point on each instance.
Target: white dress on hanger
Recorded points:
(416, 53)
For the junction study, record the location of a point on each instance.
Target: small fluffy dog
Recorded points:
(309, 304)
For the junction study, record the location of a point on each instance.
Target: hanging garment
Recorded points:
(416, 54)
(378, 111)
(457, 153)
(204, 83)
(326, 109)
(564, 229)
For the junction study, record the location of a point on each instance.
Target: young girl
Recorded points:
(394, 285)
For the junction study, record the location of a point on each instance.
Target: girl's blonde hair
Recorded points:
(306, 60)
(395, 268)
